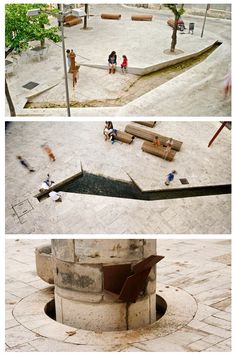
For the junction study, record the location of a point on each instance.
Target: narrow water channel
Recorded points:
(141, 86)
(93, 184)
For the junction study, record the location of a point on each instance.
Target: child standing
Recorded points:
(124, 64)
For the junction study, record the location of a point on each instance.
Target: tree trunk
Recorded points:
(174, 34)
(42, 41)
(9, 100)
(7, 92)
(85, 17)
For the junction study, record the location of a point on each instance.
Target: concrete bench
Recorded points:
(150, 135)
(111, 16)
(158, 151)
(72, 20)
(146, 123)
(124, 137)
(141, 18)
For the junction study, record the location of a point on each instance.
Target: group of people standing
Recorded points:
(112, 63)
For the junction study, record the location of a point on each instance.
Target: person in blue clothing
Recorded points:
(170, 177)
(25, 164)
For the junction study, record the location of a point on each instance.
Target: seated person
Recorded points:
(108, 130)
(46, 184)
(55, 196)
(169, 145)
(156, 142)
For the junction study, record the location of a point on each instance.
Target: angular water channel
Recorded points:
(92, 184)
(142, 85)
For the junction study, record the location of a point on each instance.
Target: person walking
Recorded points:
(25, 164)
(124, 64)
(170, 177)
(112, 62)
(49, 152)
(72, 60)
(75, 75)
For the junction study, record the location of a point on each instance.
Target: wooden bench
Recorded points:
(146, 123)
(124, 137)
(111, 16)
(150, 135)
(71, 20)
(141, 18)
(159, 151)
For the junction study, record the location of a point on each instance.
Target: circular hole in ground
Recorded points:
(161, 307)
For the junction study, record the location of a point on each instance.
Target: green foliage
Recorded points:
(177, 9)
(20, 29)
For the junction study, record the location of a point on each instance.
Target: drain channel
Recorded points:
(93, 184)
(139, 87)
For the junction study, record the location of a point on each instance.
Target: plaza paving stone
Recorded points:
(209, 330)
(77, 144)
(144, 44)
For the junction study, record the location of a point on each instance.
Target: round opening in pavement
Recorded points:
(36, 313)
(161, 307)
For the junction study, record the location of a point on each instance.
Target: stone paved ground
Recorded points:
(77, 143)
(144, 43)
(200, 267)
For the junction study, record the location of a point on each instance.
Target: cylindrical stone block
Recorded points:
(80, 298)
(141, 18)
(111, 16)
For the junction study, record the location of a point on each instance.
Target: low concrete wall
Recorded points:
(44, 266)
(147, 70)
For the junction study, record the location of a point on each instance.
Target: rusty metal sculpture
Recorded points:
(126, 281)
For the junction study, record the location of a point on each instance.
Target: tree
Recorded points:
(178, 11)
(21, 29)
(85, 17)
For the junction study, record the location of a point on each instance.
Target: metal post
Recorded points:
(217, 133)
(203, 26)
(65, 68)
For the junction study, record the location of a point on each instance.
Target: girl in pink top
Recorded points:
(124, 64)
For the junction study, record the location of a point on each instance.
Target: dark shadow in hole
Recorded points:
(161, 307)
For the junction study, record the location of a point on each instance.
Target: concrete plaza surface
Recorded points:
(196, 92)
(198, 270)
(81, 145)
